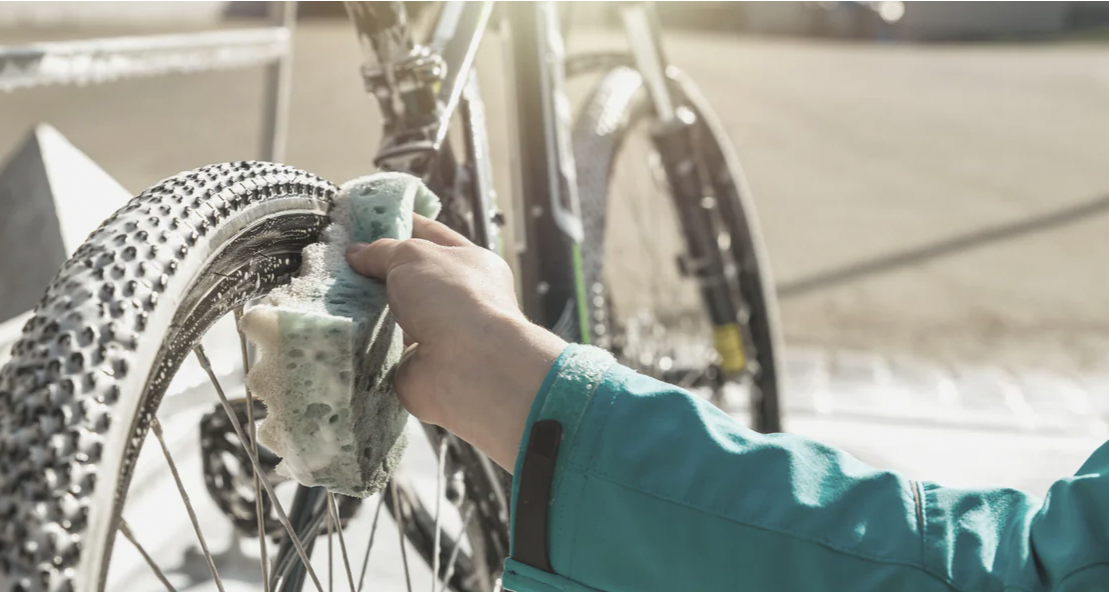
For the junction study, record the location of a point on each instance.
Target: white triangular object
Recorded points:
(84, 194)
(52, 196)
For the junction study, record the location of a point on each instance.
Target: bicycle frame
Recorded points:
(404, 76)
(420, 87)
(553, 286)
(400, 74)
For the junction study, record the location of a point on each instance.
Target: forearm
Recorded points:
(492, 411)
(657, 490)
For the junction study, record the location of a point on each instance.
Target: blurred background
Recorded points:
(932, 179)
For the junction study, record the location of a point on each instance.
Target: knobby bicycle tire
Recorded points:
(93, 363)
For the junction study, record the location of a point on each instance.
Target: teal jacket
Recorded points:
(654, 489)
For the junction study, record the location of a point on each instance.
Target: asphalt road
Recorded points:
(946, 202)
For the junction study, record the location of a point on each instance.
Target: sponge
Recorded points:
(329, 346)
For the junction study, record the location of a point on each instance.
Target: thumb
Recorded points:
(412, 382)
(373, 259)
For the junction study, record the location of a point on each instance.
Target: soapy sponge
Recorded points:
(329, 347)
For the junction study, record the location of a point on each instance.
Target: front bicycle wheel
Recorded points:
(132, 353)
(646, 303)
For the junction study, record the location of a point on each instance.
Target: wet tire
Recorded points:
(93, 362)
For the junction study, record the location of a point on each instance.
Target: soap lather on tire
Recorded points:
(329, 347)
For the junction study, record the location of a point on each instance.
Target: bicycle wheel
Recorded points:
(644, 305)
(89, 379)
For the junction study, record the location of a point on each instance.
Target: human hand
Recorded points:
(477, 362)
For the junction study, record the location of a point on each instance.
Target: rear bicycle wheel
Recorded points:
(103, 399)
(645, 305)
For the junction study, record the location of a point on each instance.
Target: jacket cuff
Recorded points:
(565, 397)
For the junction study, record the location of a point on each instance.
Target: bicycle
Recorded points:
(121, 319)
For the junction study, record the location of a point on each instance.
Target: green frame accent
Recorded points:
(579, 289)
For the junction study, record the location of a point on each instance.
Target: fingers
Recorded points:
(437, 232)
(377, 258)
(413, 372)
(374, 259)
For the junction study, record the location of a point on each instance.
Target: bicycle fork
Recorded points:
(674, 137)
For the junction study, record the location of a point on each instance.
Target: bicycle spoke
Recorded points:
(648, 244)
(449, 572)
(282, 517)
(692, 377)
(330, 561)
(657, 229)
(440, 493)
(632, 199)
(254, 445)
(373, 530)
(125, 530)
(243, 347)
(399, 514)
(156, 427)
(503, 511)
(333, 511)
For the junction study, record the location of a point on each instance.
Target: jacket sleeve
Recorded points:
(655, 489)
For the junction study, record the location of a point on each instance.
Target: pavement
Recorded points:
(935, 217)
